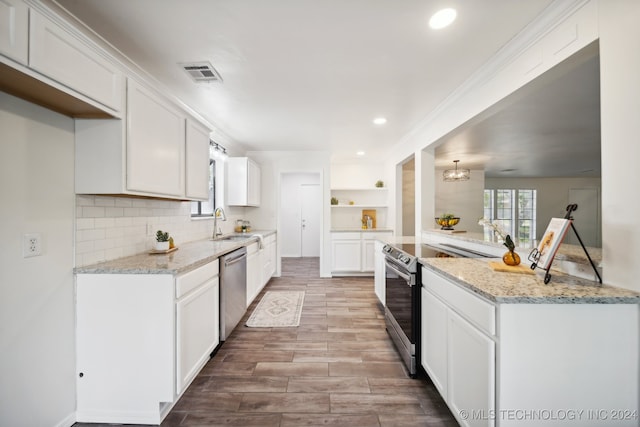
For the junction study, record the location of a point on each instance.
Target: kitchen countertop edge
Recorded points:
(189, 256)
(578, 291)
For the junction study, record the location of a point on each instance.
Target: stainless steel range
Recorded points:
(402, 288)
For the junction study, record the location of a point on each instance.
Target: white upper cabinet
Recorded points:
(243, 187)
(14, 30)
(68, 60)
(144, 154)
(155, 143)
(197, 168)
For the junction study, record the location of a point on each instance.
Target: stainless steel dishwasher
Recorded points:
(233, 290)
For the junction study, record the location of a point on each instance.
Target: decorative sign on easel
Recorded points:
(543, 255)
(551, 240)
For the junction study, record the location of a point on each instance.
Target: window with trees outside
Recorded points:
(202, 209)
(514, 210)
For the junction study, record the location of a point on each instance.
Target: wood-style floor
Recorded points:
(338, 368)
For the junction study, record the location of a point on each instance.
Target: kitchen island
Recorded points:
(147, 324)
(505, 349)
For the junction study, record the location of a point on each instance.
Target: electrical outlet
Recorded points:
(31, 245)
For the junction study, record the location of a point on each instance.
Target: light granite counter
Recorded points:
(187, 257)
(566, 251)
(477, 276)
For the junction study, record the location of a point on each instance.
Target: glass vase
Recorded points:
(511, 258)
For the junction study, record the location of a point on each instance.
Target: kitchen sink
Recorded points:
(235, 237)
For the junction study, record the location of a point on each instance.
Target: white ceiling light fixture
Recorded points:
(442, 18)
(379, 121)
(360, 153)
(452, 175)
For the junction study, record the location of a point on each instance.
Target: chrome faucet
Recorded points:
(218, 213)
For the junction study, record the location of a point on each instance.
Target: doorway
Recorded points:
(301, 214)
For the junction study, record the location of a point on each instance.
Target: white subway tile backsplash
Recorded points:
(110, 227)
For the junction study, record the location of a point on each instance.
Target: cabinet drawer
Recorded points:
(269, 239)
(345, 236)
(189, 281)
(469, 306)
(374, 235)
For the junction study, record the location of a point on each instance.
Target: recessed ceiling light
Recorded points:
(379, 121)
(360, 153)
(442, 18)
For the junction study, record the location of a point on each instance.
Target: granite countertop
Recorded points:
(477, 276)
(187, 257)
(566, 251)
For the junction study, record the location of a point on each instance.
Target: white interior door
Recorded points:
(310, 215)
(586, 217)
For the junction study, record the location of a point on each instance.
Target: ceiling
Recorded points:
(548, 128)
(309, 74)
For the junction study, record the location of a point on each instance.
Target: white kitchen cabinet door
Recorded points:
(254, 273)
(62, 57)
(197, 161)
(253, 186)
(243, 182)
(14, 30)
(197, 331)
(368, 256)
(268, 257)
(346, 255)
(380, 272)
(155, 144)
(471, 372)
(125, 346)
(433, 350)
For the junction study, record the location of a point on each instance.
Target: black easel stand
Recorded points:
(534, 256)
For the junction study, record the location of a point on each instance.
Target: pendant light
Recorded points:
(456, 174)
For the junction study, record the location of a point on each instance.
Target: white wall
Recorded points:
(290, 235)
(461, 198)
(273, 164)
(358, 175)
(37, 339)
(620, 121)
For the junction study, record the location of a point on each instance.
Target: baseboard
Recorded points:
(68, 421)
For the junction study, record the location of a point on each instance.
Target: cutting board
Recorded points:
(501, 266)
(372, 215)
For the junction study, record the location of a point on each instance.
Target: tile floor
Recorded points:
(338, 368)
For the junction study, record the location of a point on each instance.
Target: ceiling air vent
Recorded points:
(202, 72)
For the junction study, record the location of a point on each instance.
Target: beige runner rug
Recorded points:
(277, 309)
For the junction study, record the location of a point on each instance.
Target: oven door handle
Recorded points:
(405, 276)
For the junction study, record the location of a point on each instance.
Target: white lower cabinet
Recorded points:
(354, 252)
(346, 253)
(197, 331)
(471, 371)
(268, 259)
(434, 340)
(379, 271)
(530, 364)
(140, 341)
(254, 273)
(458, 356)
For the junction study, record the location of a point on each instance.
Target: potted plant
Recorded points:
(162, 241)
(379, 184)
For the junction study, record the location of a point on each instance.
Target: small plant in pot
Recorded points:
(162, 240)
